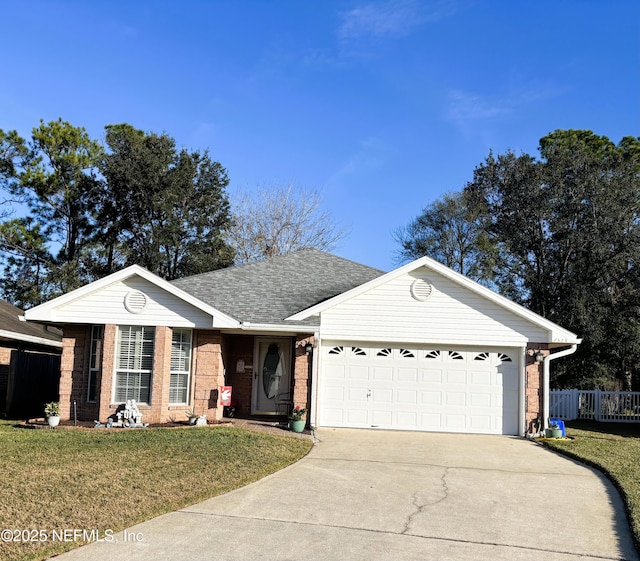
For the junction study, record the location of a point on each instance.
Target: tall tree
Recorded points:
(567, 226)
(279, 220)
(164, 209)
(451, 230)
(55, 175)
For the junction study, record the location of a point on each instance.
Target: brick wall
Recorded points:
(302, 373)
(533, 390)
(208, 373)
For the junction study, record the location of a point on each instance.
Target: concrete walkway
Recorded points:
(387, 495)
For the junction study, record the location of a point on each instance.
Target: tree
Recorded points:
(55, 175)
(280, 220)
(567, 230)
(165, 209)
(450, 230)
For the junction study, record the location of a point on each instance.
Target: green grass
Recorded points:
(110, 479)
(613, 448)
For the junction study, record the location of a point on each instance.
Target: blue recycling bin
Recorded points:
(560, 424)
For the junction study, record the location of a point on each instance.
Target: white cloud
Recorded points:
(391, 18)
(465, 106)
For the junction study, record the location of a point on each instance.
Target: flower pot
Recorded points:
(553, 433)
(297, 426)
(53, 420)
(192, 420)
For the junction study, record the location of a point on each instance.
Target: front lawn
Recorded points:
(613, 448)
(107, 480)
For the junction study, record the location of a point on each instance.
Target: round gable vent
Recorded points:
(421, 289)
(135, 302)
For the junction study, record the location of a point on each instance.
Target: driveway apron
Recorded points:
(391, 495)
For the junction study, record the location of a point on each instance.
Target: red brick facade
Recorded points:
(213, 356)
(533, 387)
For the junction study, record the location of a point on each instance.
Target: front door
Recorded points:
(271, 376)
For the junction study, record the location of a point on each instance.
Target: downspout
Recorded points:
(313, 422)
(545, 381)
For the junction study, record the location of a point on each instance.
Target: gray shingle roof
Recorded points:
(9, 321)
(270, 291)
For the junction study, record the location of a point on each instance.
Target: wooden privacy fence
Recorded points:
(596, 405)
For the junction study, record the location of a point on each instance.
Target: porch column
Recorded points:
(302, 373)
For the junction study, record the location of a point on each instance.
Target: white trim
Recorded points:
(522, 391)
(30, 338)
(315, 369)
(557, 334)
(278, 328)
(545, 380)
(47, 311)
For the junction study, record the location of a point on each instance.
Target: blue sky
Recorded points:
(384, 106)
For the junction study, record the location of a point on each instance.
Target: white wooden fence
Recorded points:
(618, 407)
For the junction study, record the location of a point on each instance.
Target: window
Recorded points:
(180, 366)
(95, 360)
(134, 363)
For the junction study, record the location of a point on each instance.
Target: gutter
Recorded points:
(30, 338)
(545, 380)
(275, 327)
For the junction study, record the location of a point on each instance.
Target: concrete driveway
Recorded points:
(387, 495)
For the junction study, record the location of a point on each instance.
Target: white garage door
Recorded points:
(409, 388)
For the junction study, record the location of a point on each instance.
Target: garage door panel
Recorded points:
(431, 397)
(407, 374)
(432, 376)
(382, 396)
(407, 397)
(455, 421)
(408, 419)
(357, 417)
(481, 400)
(456, 399)
(456, 376)
(383, 373)
(335, 393)
(357, 372)
(481, 423)
(335, 371)
(478, 378)
(357, 394)
(382, 418)
(432, 420)
(412, 389)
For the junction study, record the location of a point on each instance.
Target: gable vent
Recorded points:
(421, 289)
(135, 302)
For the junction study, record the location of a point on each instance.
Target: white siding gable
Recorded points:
(107, 305)
(451, 314)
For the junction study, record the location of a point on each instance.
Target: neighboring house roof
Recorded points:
(266, 292)
(12, 329)
(558, 333)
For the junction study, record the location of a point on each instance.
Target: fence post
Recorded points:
(597, 414)
(575, 403)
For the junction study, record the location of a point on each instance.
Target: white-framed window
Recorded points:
(180, 377)
(95, 361)
(134, 363)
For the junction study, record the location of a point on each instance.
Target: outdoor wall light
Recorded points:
(308, 348)
(539, 356)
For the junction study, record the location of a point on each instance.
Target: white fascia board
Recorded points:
(47, 311)
(30, 338)
(557, 334)
(278, 328)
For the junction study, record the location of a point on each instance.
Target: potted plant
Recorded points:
(296, 421)
(192, 415)
(554, 431)
(52, 412)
